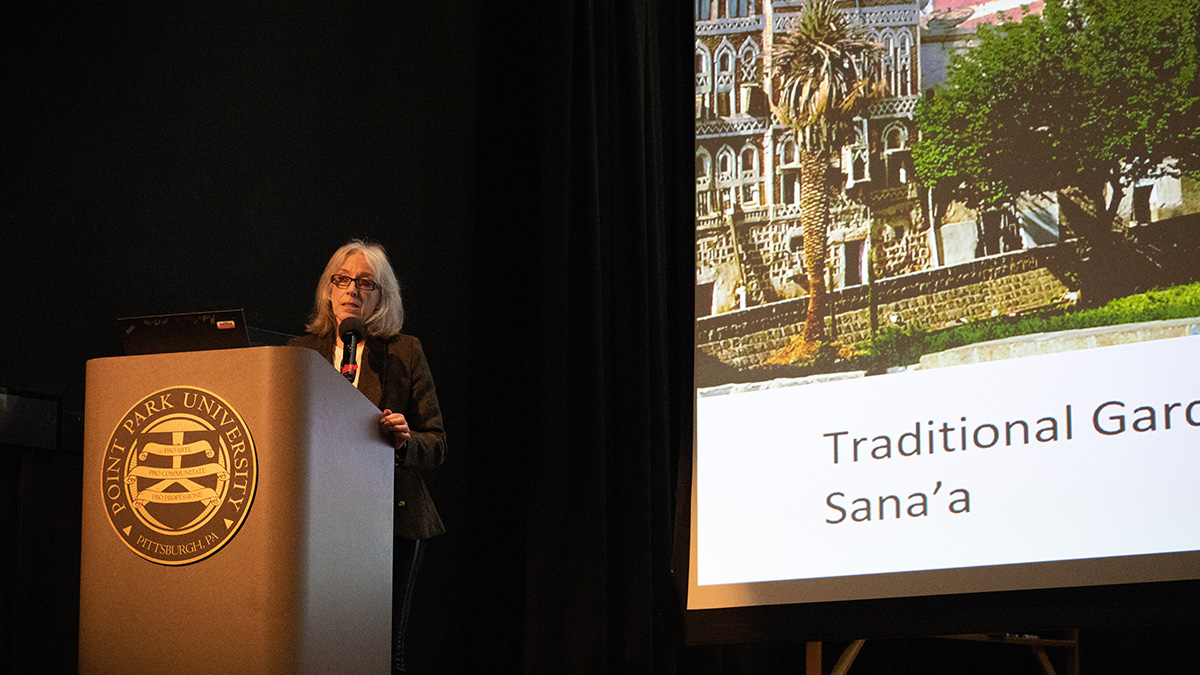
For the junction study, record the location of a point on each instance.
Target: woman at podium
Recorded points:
(389, 368)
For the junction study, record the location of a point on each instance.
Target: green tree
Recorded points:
(1085, 100)
(824, 84)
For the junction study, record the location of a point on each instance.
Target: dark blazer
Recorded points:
(395, 376)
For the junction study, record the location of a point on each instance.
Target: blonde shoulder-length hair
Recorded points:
(388, 317)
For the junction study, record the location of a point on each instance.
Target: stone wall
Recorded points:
(1008, 283)
(937, 298)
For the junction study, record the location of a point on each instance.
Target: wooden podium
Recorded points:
(237, 517)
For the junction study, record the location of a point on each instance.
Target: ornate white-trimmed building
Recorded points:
(747, 164)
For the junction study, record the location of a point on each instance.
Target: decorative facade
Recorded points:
(748, 241)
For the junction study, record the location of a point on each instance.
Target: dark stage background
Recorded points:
(528, 166)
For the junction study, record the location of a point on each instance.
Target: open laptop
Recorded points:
(186, 332)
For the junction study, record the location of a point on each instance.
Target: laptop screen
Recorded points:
(186, 332)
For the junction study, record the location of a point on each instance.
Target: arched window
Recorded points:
(875, 63)
(895, 153)
(703, 9)
(748, 57)
(888, 63)
(703, 167)
(856, 157)
(703, 70)
(748, 174)
(724, 80)
(789, 151)
(726, 178)
(895, 137)
(748, 161)
(725, 70)
(704, 183)
(704, 81)
(902, 61)
(725, 162)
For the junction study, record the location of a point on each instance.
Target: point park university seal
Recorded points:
(179, 475)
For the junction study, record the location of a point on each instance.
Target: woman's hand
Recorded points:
(396, 427)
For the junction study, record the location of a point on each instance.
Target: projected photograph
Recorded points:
(947, 290)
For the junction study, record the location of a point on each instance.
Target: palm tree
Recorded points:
(825, 83)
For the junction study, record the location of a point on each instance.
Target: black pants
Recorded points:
(406, 562)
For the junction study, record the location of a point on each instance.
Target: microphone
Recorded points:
(352, 330)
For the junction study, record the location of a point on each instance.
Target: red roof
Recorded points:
(990, 11)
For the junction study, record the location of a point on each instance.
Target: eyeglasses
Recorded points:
(343, 281)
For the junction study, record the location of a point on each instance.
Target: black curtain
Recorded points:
(589, 352)
(583, 347)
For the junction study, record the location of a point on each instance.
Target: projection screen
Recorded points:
(974, 415)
